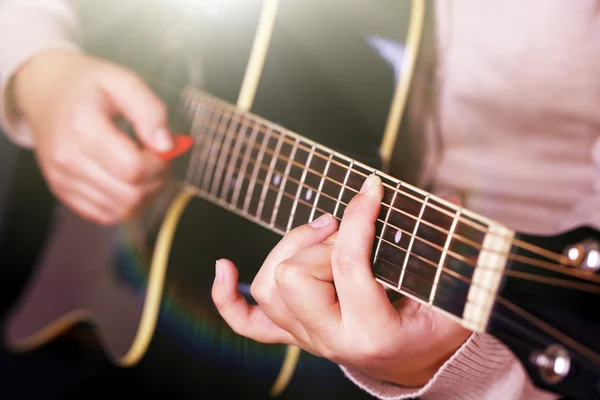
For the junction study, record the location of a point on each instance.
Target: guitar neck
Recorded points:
(425, 247)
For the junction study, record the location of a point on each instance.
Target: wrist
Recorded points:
(417, 370)
(29, 83)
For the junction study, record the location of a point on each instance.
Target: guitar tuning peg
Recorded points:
(554, 363)
(584, 255)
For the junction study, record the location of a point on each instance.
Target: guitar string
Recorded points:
(539, 263)
(544, 326)
(256, 119)
(554, 281)
(516, 274)
(261, 182)
(530, 261)
(541, 324)
(267, 150)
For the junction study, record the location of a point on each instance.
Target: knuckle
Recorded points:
(343, 260)
(285, 272)
(79, 123)
(261, 293)
(62, 158)
(133, 169)
(58, 186)
(353, 208)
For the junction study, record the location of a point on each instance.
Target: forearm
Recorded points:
(482, 369)
(26, 28)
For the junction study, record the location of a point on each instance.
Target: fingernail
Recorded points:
(163, 140)
(367, 184)
(218, 271)
(322, 221)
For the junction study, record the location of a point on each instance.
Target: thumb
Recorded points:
(132, 98)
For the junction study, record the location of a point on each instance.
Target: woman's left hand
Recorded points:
(316, 290)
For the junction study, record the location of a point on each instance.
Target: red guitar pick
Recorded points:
(181, 144)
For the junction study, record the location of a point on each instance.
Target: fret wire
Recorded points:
(224, 153)
(312, 213)
(394, 245)
(203, 133)
(245, 161)
(319, 191)
(471, 223)
(400, 191)
(274, 158)
(443, 257)
(337, 203)
(227, 140)
(232, 161)
(302, 179)
(214, 151)
(190, 113)
(450, 272)
(199, 116)
(255, 172)
(284, 181)
(466, 221)
(211, 131)
(203, 156)
(412, 239)
(290, 195)
(385, 223)
(405, 194)
(269, 126)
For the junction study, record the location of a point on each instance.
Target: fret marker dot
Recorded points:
(233, 181)
(398, 236)
(308, 194)
(277, 179)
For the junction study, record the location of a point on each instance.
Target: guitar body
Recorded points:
(143, 287)
(80, 277)
(335, 73)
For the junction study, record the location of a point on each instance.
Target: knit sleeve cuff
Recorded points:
(26, 28)
(481, 369)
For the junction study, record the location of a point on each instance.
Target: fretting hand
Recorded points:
(316, 290)
(70, 101)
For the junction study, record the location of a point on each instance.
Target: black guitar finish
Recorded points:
(573, 313)
(340, 101)
(321, 77)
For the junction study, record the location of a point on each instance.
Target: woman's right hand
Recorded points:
(70, 102)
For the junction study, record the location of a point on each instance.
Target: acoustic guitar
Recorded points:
(535, 293)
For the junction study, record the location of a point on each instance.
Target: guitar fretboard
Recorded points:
(425, 247)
